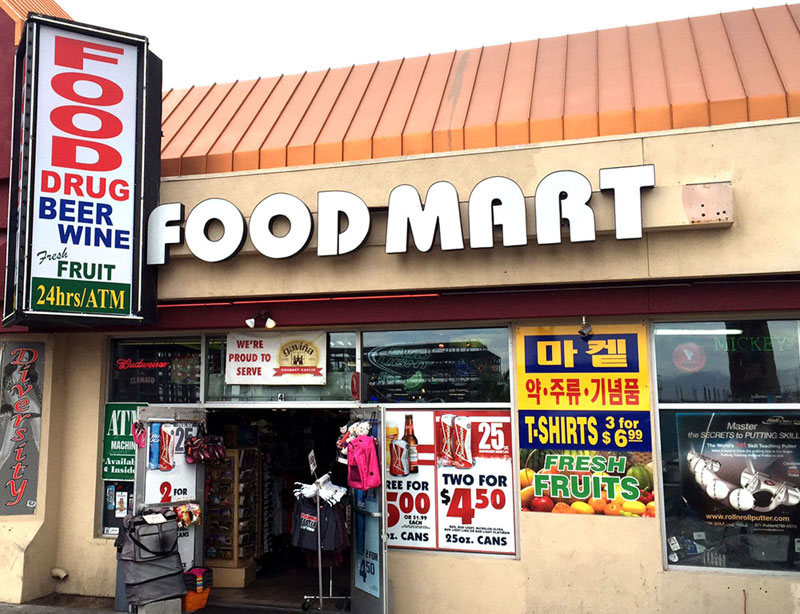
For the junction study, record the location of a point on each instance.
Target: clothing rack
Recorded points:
(309, 599)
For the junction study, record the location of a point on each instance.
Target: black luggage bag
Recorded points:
(149, 560)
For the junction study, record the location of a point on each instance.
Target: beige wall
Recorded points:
(26, 542)
(580, 564)
(62, 531)
(81, 486)
(760, 161)
(568, 564)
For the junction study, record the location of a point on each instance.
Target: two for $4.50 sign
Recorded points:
(461, 498)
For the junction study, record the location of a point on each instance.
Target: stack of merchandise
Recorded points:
(198, 578)
(198, 582)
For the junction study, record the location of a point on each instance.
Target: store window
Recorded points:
(730, 473)
(436, 366)
(156, 370)
(341, 365)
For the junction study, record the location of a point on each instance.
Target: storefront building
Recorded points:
(605, 267)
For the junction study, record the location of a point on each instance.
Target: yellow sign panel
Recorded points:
(557, 368)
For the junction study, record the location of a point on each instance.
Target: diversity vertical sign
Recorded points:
(20, 425)
(584, 420)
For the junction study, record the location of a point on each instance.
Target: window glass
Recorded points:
(156, 371)
(340, 369)
(451, 365)
(731, 488)
(755, 361)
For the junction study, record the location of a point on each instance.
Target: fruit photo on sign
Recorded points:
(557, 481)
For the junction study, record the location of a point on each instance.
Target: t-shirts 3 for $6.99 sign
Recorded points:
(461, 496)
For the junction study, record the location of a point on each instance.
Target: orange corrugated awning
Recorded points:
(18, 11)
(733, 67)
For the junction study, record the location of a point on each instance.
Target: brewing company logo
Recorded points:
(298, 357)
(689, 357)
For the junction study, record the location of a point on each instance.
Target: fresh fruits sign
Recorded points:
(584, 421)
(449, 483)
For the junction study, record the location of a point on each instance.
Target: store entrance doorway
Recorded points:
(261, 512)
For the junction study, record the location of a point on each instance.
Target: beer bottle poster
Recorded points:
(170, 478)
(449, 482)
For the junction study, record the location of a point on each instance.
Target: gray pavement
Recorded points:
(27, 608)
(72, 608)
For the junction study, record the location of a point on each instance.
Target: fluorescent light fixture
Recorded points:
(698, 331)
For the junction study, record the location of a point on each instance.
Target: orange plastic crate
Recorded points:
(195, 600)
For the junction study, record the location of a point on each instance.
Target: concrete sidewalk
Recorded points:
(28, 608)
(73, 608)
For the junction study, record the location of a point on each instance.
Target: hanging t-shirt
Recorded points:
(304, 526)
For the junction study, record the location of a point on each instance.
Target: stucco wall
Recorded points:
(568, 564)
(586, 564)
(90, 561)
(62, 531)
(758, 160)
(26, 542)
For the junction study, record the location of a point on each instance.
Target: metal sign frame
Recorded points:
(18, 304)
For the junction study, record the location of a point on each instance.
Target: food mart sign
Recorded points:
(493, 202)
(84, 141)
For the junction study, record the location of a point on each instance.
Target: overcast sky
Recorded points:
(203, 41)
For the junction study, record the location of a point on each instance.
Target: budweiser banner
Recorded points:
(276, 359)
(20, 425)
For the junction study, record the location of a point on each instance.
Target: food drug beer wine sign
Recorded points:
(79, 199)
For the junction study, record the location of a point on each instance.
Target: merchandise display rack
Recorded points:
(232, 525)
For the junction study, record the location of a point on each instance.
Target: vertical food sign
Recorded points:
(584, 421)
(449, 482)
(84, 174)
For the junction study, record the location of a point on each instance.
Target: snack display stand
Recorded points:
(231, 528)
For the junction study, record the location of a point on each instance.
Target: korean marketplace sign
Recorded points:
(584, 420)
(278, 359)
(449, 480)
(78, 199)
(119, 449)
(21, 426)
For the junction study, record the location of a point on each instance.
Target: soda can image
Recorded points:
(110, 497)
(166, 459)
(398, 462)
(462, 443)
(446, 457)
(154, 449)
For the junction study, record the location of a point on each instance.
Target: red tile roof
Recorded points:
(734, 67)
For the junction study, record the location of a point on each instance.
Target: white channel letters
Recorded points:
(343, 219)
